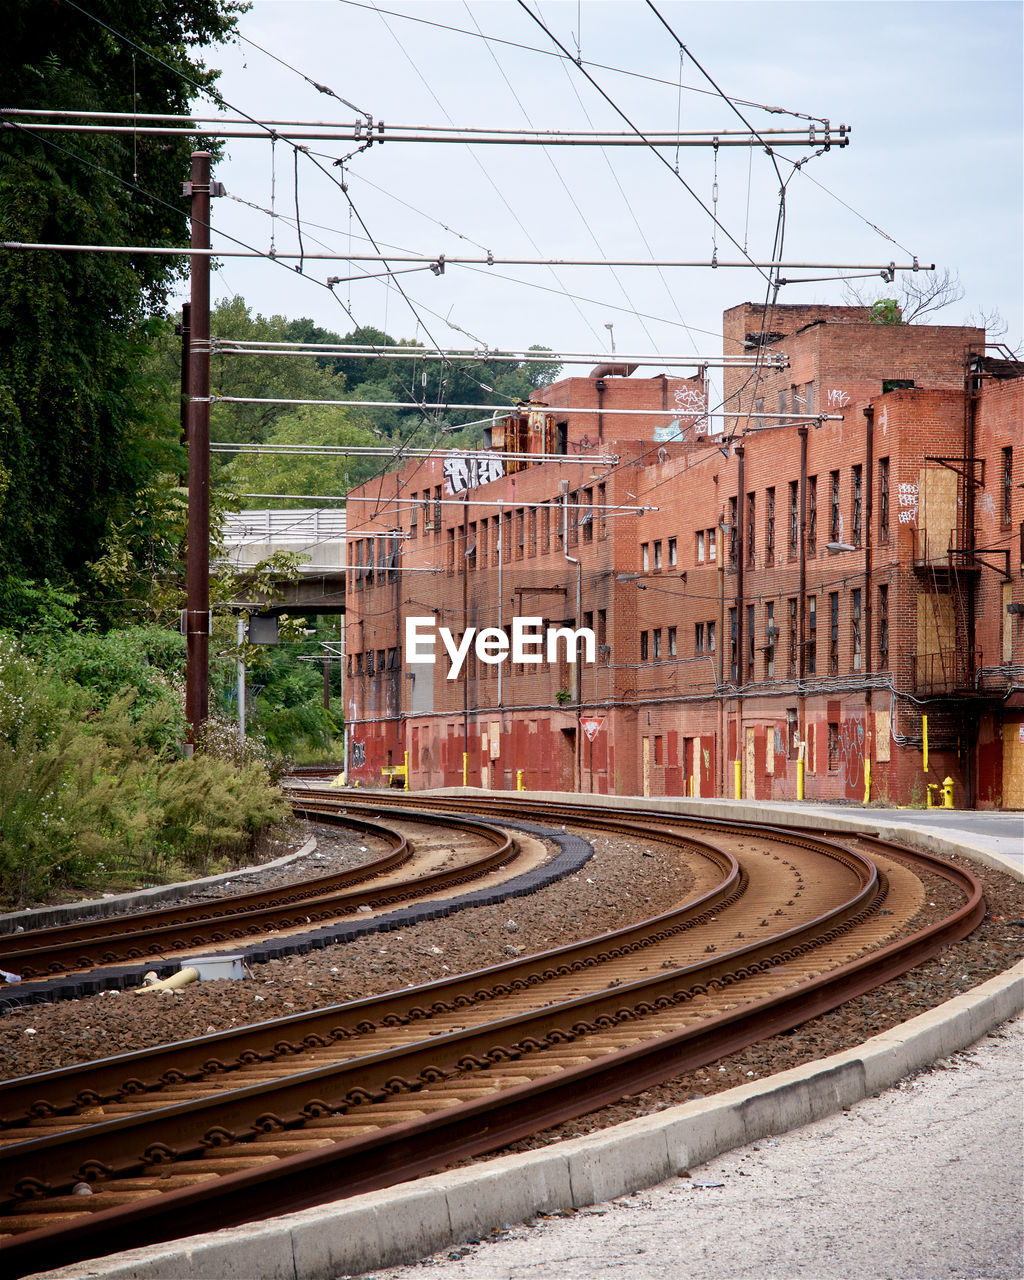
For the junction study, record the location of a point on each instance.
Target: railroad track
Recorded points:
(90, 944)
(269, 1118)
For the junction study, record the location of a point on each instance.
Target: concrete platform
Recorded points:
(387, 1228)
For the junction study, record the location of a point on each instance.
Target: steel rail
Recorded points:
(65, 949)
(65, 1090)
(120, 1144)
(469, 1128)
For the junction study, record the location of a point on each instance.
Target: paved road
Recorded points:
(920, 1183)
(1001, 833)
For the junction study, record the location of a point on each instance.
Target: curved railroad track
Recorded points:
(89, 944)
(265, 1119)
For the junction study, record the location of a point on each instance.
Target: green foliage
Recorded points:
(92, 788)
(83, 427)
(886, 311)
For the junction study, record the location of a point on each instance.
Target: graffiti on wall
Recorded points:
(851, 755)
(906, 498)
(838, 399)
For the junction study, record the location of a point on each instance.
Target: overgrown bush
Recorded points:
(92, 785)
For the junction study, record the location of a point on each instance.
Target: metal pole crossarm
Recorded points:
(237, 347)
(489, 261)
(378, 451)
(399, 503)
(528, 406)
(379, 133)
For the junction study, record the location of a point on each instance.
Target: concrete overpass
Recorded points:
(317, 533)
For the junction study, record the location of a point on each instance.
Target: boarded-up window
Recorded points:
(882, 737)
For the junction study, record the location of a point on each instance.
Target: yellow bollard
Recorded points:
(800, 778)
(924, 741)
(465, 768)
(867, 781)
(738, 778)
(947, 793)
(520, 786)
(405, 773)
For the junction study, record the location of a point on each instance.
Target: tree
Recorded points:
(918, 294)
(84, 425)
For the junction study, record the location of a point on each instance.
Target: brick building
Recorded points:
(795, 593)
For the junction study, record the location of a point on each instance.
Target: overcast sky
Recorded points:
(931, 91)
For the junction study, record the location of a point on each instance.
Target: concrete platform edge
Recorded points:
(402, 1224)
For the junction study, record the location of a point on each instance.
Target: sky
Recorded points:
(932, 93)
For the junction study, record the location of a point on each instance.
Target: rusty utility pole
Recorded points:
(197, 556)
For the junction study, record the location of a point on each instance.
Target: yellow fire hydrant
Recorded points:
(947, 794)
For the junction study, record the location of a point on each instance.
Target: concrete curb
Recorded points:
(97, 908)
(405, 1223)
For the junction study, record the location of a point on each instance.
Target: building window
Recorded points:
(733, 532)
(545, 528)
(485, 531)
(809, 398)
(700, 546)
(657, 555)
(471, 547)
(656, 644)
(855, 627)
(437, 509)
(783, 395)
(793, 636)
(812, 635)
(602, 516)
(883, 627)
(673, 554)
(506, 535)
(587, 518)
(645, 557)
(734, 669)
(794, 519)
(833, 746)
(750, 642)
(644, 654)
(769, 527)
(712, 544)
(834, 518)
(812, 514)
(883, 500)
(602, 630)
(751, 512)
(833, 633)
(520, 533)
(858, 502)
(1007, 485)
(672, 642)
(709, 631)
(450, 557)
(759, 409)
(698, 638)
(770, 635)
(574, 519)
(414, 516)
(533, 531)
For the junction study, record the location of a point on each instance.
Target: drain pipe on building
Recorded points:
(578, 779)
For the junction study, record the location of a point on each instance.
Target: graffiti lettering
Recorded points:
(838, 399)
(687, 400)
(358, 755)
(851, 754)
(464, 471)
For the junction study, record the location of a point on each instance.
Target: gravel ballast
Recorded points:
(626, 880)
